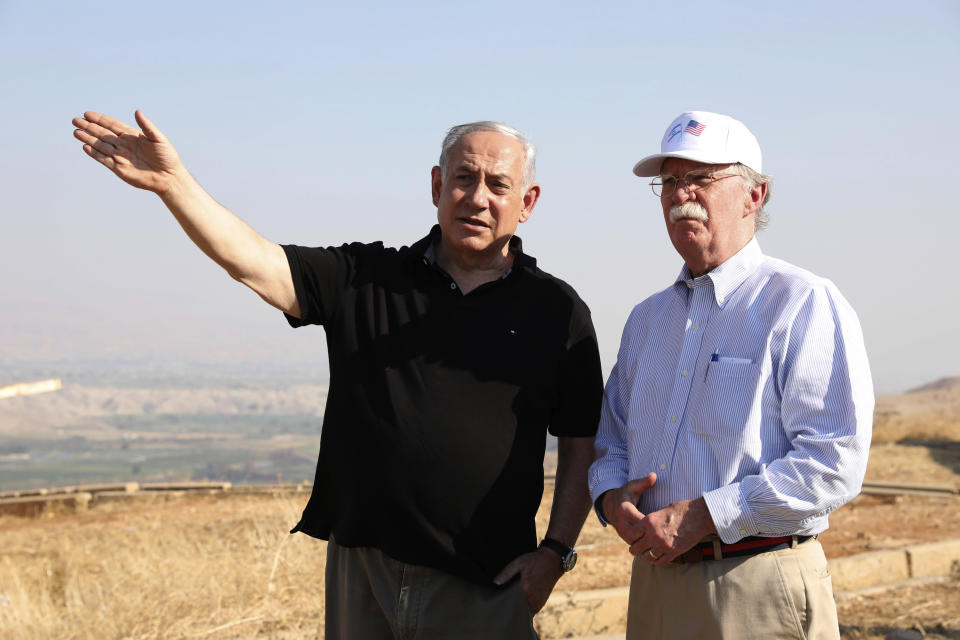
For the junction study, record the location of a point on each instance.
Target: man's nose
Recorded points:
(682, 193)
(479, 195)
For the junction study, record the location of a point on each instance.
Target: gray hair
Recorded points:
(455, 134)
(754, 179)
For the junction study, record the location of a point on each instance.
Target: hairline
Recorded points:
(456, 133)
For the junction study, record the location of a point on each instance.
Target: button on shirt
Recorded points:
(748, 386)
(440, 402)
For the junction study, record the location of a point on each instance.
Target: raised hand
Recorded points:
(141, 157)
(145, 159)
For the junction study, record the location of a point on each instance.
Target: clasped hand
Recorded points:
(658, 537)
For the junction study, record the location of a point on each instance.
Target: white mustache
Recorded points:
(688, 210)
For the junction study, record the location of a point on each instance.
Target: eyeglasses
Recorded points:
(664, 186)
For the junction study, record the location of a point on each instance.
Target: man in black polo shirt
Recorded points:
(449, 361)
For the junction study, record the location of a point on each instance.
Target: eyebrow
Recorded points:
(472, 168)
(696, 173)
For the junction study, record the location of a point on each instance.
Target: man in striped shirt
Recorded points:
(738, 414)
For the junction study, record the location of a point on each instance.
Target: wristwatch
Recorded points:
(568, 555)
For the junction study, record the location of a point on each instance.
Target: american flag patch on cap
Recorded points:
(695, 128)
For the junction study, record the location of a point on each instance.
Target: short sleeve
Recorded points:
(320, 278)
(581, 381)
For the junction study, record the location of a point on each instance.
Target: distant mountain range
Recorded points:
(931, 411)
(80, 404)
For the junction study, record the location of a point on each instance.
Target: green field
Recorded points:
(235, 448)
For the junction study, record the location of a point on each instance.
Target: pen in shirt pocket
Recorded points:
(713, 358)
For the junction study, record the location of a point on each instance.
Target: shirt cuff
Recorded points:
(597, 510)
(730, 513)
(600, 490)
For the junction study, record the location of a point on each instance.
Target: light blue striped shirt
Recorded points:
(748, 386)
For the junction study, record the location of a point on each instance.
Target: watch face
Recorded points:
(568, 556)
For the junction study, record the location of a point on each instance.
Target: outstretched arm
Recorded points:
(145, 159)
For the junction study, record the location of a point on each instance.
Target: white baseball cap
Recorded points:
(707, 137)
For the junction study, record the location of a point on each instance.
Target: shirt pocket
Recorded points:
(729, 399)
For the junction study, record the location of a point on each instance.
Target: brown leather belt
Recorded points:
(712, 549)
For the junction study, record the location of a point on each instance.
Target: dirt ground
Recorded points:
(931, 611)
(869, 523)
(916, 441)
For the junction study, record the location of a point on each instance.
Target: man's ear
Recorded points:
(436, 184)
(530, 198)
(755, 199)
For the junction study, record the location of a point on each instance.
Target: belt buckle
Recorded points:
(690, 556)
(695, 554)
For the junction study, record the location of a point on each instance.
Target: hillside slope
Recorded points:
(929, 412)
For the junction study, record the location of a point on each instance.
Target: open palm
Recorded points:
(141, 157)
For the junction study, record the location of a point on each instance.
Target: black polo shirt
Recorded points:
(439, 403)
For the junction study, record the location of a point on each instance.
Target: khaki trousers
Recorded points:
(371, 596)
(778, 594)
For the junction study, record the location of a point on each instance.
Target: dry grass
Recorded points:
(216, 567)
(225, 567)
(197, 568)
(202, 567)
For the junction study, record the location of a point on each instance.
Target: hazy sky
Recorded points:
(318, 124)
